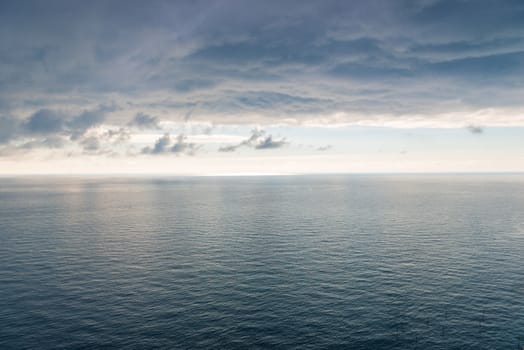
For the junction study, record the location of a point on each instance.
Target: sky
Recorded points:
(261, 87)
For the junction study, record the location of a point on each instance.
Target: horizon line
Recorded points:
(248, 174)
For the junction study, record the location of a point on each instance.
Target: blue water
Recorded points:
(357, 262)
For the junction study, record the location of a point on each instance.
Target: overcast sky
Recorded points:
(242, 87)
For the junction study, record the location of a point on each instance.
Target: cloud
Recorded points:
(474, 129)
(91, 144)
(207, 52)
(257, 140)
(44, 122)
(48, 142)
(118, 136)
(161, 146)
(164, 145)
(48, 128)
(8, 128)
(268, 143)
(375, 62)
(324, 148)
(231, 148)
(190, 85)
(181, 146)
(144, 121)
(86, 120)
(47, 121)
(249, 142)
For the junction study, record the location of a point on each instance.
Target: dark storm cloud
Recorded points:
(165, 145)
(238, 61)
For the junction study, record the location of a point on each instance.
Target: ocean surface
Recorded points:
(292, 262)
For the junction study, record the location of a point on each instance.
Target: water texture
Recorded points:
(358, 262)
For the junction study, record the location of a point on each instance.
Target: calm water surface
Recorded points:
(359, 262)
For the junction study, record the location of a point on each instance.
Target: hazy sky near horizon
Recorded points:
(222, 87)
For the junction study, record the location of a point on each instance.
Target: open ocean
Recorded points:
(291, 262)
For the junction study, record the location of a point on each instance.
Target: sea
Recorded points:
(262, 262)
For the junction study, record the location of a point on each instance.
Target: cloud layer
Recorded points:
(67, 67)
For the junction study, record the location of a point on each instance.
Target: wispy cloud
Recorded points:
(257, 140)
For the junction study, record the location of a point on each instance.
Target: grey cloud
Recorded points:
(118, 136)
(86, 120)
(255, 62)
(181, 146)
(41, 130)
(190, 85)
(487, 18)
(165, 145)
(249, 142)
(488, 66)
(90, 144)
(48, 128)
(161, 146)
(268, 143)
(257, 140)
(267, 99)
(458, 49)
(45, 121)
(230, 103)
(89, 119)
(475, 129)
(9, 128)
(145, 121)
(231, 148)
(100, 143)
(324, 148)
(48, 142)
